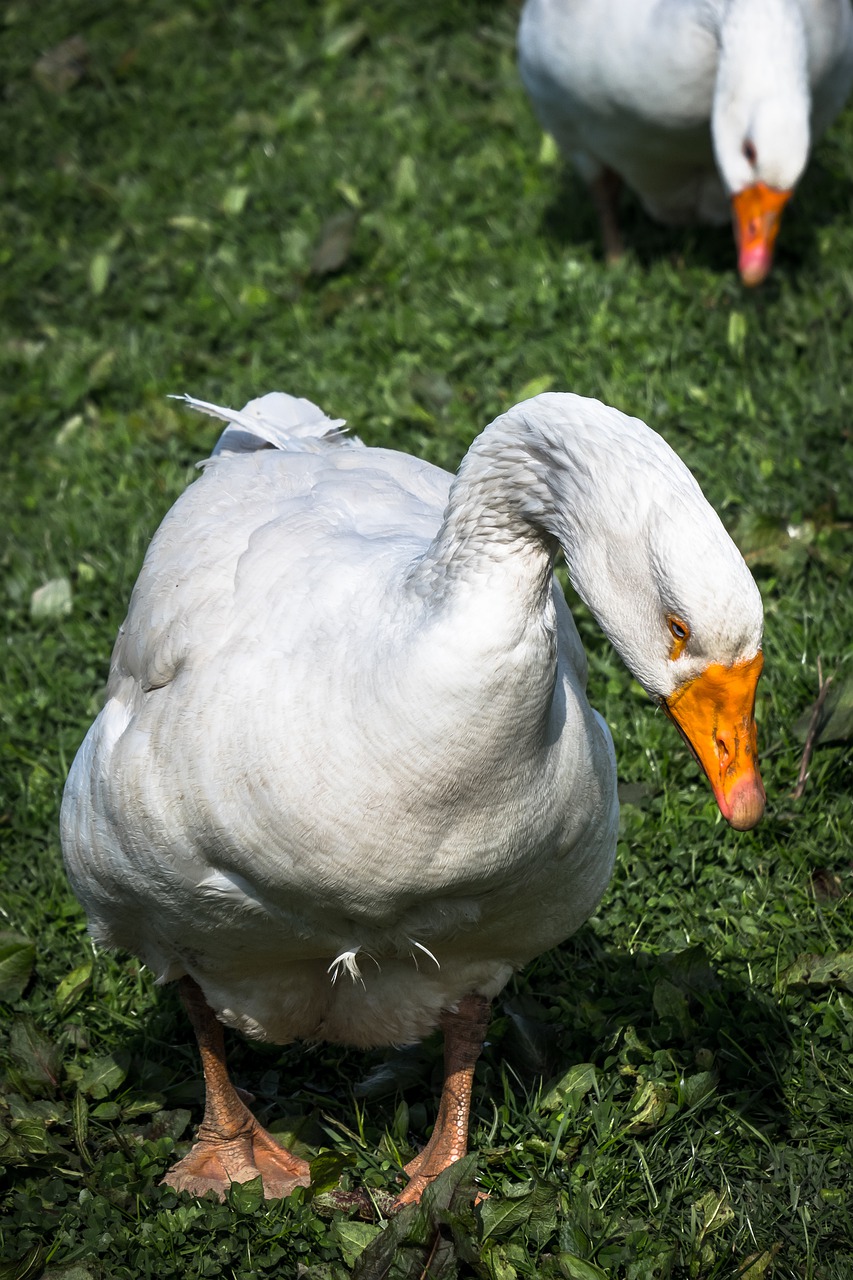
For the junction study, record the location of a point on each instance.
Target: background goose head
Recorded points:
(761, 122)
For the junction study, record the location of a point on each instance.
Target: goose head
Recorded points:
(686, 617)
(652, 560)
(760, 122)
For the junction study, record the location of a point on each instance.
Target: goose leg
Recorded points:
(464, 1032)
(230, 1146)
(605, 192)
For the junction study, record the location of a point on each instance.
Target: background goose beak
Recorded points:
(756, 213)
(715, 714)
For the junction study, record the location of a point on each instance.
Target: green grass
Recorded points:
(157, 229)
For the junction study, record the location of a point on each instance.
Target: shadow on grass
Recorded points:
(675, 1002)
(570, 221)
(581, 1003)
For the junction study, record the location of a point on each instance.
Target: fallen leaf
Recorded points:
(334, 244)
(99, 272)
(234, 200)
(826, 885)
(756, 1266)
(714, 1212)
(652, 1103)
(343, 40)
(51, 600)
(819, 971)
(63, 66)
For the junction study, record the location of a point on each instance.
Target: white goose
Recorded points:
(347, 779)
(706, 108)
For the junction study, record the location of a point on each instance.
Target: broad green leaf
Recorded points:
(17, 957)
(496, 1258)
(46, 1111)
(503, 1217)
(354, 1237)
(34, 1055)
(247, 1197)
(400, 1123)
(326, 1170)
(549, 153)
(103, 1075)
(737, 331)
(99, 370)
(415, 1241)
(32, 1138)
(435, 1259)
(105, 1110)
(139, 1107)
(72, 987)
(301, 1134)
(167, 1124)
(188, 222)
(571, 1087)
(542, 1222)
(691, 970)
(696, 1087)
(671, 1003)
(456, 1180)
(575, 1268)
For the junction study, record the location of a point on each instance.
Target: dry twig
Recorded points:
(811, 736)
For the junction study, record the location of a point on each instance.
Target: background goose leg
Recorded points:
(605, 194)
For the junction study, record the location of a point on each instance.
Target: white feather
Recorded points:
(345, 963)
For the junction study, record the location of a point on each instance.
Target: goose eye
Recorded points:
(680, 633)
(749, 151)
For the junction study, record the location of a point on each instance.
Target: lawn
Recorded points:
(354, 203)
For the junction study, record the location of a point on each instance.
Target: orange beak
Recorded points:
(756, 213)
(715, 714)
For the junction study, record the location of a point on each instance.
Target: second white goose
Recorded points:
(707, 109)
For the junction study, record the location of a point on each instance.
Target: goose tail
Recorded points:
(277, 421)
